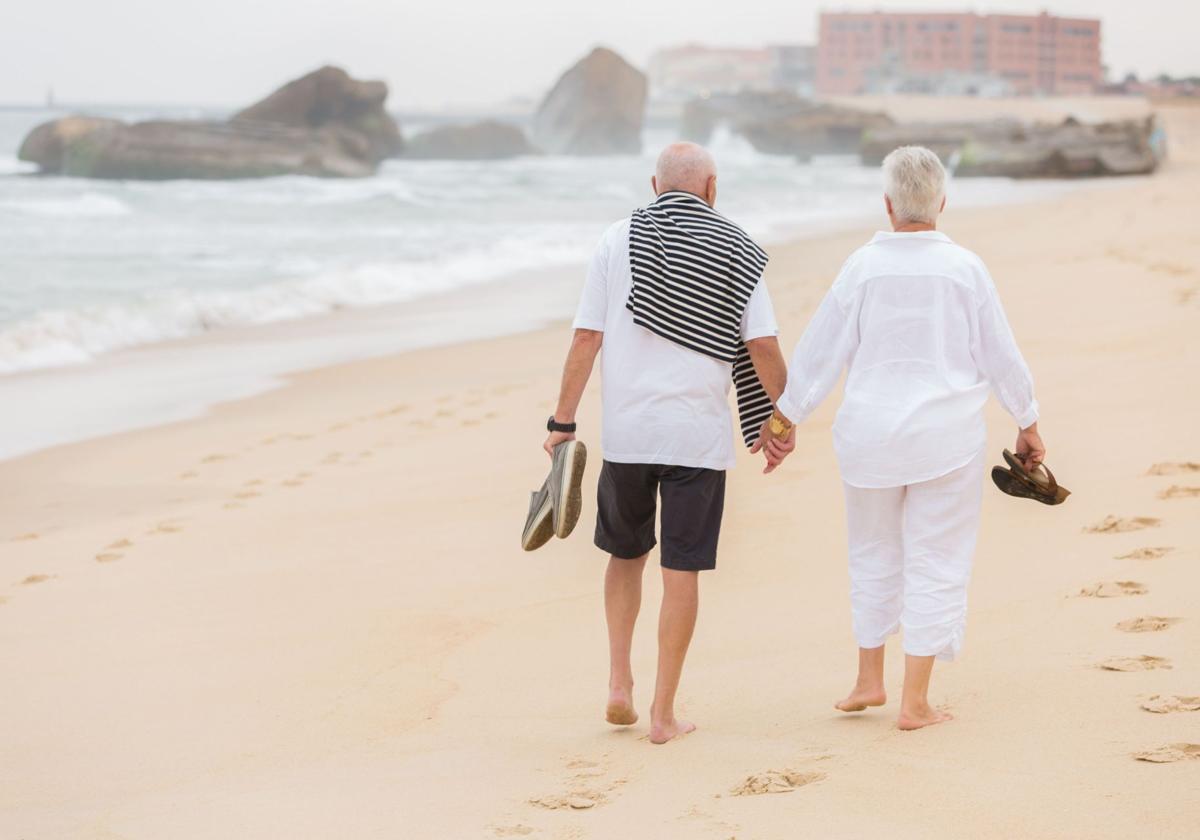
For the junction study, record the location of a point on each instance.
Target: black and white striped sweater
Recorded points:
(693, 274)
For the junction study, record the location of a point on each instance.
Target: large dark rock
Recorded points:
(323, 124)
(1070, 149)
(329, 97)
(487, 140)
(781, 123)
(595, 108)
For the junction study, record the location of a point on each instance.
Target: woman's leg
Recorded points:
(941, 522)
(874, 523)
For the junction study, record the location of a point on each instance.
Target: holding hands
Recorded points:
(776, 441)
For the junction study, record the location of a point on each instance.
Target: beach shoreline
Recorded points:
(317, 619)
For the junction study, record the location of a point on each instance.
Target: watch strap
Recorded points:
(553, 425)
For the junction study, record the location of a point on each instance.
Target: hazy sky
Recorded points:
(448, 53)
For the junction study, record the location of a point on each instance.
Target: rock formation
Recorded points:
(487, 140)
(1069, 149)
(781, 123)
(595, 108)
(324, 124)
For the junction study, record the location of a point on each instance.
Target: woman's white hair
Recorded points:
(914, 180)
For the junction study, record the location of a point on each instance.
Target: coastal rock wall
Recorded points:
(779, 122)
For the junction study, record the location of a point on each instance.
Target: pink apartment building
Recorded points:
(1027, 54)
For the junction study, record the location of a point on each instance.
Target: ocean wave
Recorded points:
(54, 338)
(82, 206)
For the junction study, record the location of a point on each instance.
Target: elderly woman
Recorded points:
(916, 321)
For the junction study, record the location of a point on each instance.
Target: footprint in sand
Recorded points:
(511, 830)
(233, 505)
(1174, 468)
(332, 458)
(588, 785)
(775, 781)
(1162, 704)
(247, 494)
(165, 528)
(1168, 753)
(1148, 553)
(1146, 624)
(188, 474)
(32, 579)
(391, 412)
(1178, 491)
(108, 556)
(1119, 525)
(25, 537)
(1113, 589)
(213, 458)
(1135, 663)
(337, 427)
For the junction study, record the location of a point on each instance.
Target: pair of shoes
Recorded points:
(1037, 484)
(554, 510)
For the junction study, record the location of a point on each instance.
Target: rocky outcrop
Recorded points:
(330, 98)
(487, 140)
(324, 124)
(1070, 149)
(781, 123)
(595, 108)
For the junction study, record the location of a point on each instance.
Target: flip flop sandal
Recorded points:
(1038, 484)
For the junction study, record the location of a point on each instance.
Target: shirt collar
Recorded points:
(889, 235)
(677, 195)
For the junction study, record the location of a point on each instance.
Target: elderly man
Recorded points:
(674, 295)
(917, 320)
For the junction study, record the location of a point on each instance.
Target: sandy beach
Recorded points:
(307, 614)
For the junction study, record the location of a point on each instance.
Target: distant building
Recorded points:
(878, 52)
(679, 74)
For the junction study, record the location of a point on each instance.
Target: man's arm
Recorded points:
(576, 372)
(772, 373)
(768, 364)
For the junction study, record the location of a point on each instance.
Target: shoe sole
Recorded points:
(570, 501)
(543, 528)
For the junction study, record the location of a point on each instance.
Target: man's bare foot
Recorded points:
(860, 698)
(619, 711)
(662, 732)
(920, 718)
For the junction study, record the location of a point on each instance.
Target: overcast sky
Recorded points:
(448, 53)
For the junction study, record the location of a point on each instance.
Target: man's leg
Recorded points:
(874, 528)
(622, 600)
(941, 522)
(693, 501)
(626, 501)
(676, 621)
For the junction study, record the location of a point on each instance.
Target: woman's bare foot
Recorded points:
(860, 698)
(664, 731)
(919, 718)
(619, 711)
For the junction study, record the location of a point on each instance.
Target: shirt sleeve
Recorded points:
(1001, 361)
(593, 304)
(758, 320)
(817, 362)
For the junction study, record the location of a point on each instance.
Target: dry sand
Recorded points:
(307, 614)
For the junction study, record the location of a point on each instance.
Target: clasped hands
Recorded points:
(775, 447)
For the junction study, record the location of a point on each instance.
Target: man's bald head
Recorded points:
(687, 167)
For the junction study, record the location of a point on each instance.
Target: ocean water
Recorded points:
(91, 267)
(130, 304)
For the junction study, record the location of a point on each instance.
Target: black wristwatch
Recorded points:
(554, 426)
